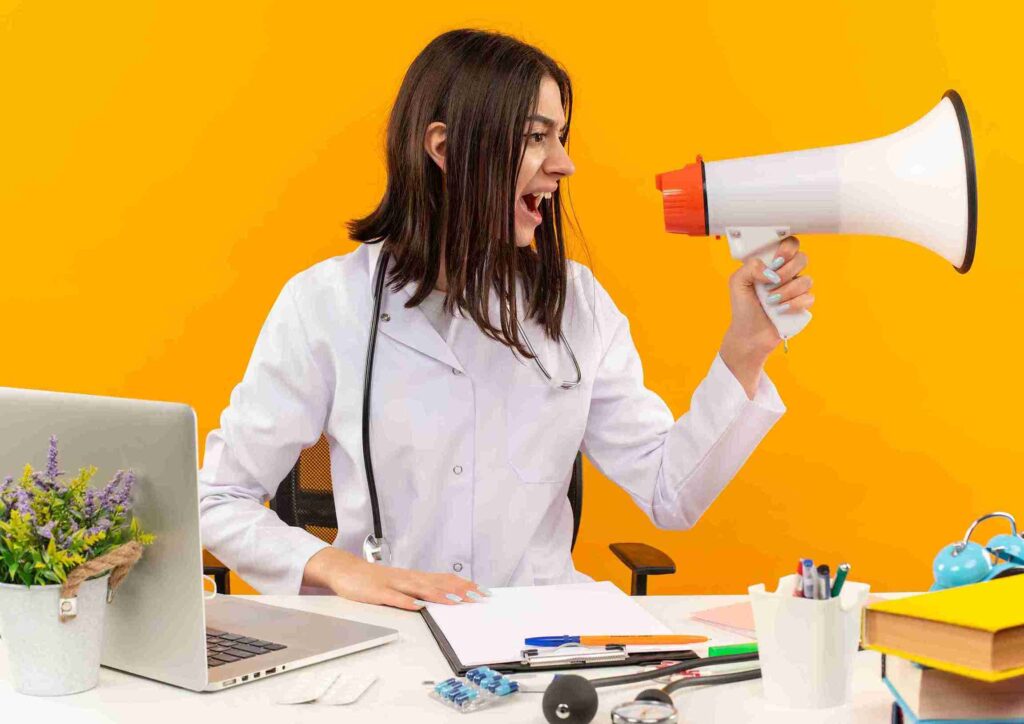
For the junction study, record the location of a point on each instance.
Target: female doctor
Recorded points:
(496, 360)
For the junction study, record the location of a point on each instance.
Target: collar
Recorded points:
(406, 325)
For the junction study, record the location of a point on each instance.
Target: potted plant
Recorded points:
(64, 548)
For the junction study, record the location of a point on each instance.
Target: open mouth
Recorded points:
(531, 204)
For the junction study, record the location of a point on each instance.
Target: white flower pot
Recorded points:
(50, 657)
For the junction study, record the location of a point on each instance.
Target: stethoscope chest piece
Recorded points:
(376, 550)
(651, 706)
(644, 712)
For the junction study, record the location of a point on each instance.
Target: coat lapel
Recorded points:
(407, 325)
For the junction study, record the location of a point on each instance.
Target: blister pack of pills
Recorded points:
(482, 687)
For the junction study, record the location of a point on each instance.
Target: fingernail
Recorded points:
(775, 299)
(474, 595)
(453, 597)
(783, 307)
(418, 602)
(485, 591)
(779, 261)
(772, 276)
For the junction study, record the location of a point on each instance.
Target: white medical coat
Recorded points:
(472, 446)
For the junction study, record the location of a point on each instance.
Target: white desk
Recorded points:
(400, 696)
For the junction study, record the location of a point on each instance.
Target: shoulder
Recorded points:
(587, 297)
(329, 280)
(585, 289)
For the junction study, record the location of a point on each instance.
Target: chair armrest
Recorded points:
(221, 577)
(642, 560)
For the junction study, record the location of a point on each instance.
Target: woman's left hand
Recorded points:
(751, 336)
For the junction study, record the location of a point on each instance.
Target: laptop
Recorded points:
(159, 624)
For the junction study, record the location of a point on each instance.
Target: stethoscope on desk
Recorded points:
(572, 699)
(376, 548)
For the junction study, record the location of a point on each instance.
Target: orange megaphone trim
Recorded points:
(685, 199)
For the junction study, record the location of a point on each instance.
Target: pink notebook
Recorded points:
(737, 617)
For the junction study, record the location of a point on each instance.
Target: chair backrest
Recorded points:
(305, 498)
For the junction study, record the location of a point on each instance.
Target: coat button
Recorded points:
(386, 317)
(457, 470)
(457, 567)
(456, 371)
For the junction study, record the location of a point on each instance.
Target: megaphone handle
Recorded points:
(788, 323)
(763, 242)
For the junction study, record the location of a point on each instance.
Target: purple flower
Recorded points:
(91, 501)
(64, 541)
(22, 501)
(103, 524)
(118, 491)
(46, 531)
(40, 481)
(52, 472)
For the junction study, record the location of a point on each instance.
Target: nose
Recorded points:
(558, 163)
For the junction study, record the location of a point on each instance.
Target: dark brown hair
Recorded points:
(482, 86)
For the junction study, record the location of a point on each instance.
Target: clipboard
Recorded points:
(583, 659)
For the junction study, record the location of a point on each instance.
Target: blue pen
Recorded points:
(551, 640)
(808, 578)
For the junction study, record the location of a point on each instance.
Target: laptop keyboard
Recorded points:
(224, 648)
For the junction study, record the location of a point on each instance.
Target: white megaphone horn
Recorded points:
(917, 184)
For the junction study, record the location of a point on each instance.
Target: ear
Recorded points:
(434, 142)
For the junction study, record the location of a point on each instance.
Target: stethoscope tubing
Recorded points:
(675, 668)
(371, 347)
(378, 294)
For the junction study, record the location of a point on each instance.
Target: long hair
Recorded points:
(482, 86)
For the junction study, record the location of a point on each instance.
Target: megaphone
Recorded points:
(917, 184)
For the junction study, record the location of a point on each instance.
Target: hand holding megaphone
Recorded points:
(788, 291)
(917, 184)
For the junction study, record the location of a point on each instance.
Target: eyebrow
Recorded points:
(549, 122)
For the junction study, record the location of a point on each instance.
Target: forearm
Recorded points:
(251, 540)
(707, 446)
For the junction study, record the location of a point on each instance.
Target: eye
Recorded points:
(537, 137)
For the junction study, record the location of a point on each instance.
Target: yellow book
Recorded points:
(975, 631)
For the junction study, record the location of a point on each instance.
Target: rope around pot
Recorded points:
(120, 559)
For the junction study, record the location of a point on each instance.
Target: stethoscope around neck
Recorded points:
(376, 548)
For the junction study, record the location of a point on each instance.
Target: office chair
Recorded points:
(305, 498)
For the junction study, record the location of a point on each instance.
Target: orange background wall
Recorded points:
(165, 167)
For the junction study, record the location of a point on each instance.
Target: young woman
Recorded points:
(496, 360)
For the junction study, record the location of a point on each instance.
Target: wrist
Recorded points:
(328, 564)
(745, 360)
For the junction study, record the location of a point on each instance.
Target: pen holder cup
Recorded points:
(807, 647)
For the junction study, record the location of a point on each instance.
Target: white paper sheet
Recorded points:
(493, 630)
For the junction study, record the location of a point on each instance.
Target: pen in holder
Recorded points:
(806, 646)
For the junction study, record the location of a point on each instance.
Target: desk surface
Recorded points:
(399, 694)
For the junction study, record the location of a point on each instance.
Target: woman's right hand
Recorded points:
(351, 577)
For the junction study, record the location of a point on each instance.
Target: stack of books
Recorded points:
(955, 655)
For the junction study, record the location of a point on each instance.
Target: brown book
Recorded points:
(931, 694)
(975, 630)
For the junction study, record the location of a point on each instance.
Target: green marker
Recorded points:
(732, 649)
(841, 573)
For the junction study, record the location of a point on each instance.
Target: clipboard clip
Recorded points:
(572, 654)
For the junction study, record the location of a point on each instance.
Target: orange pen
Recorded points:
(640, 640)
